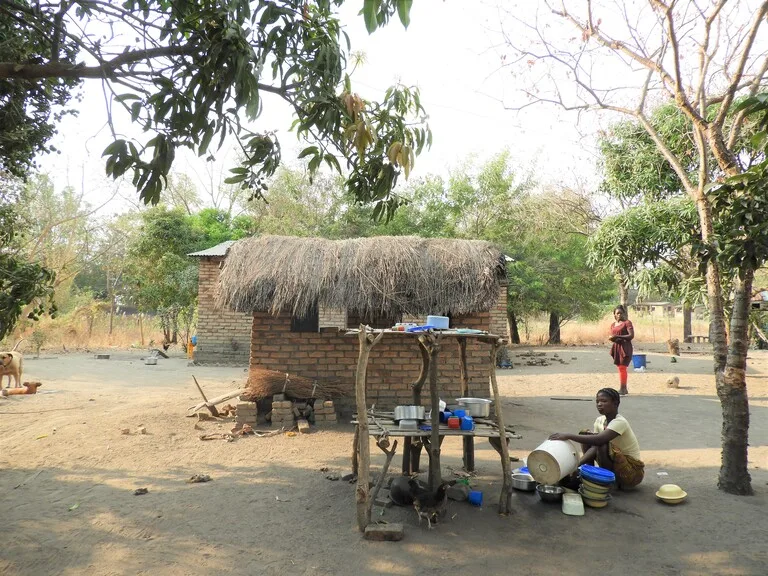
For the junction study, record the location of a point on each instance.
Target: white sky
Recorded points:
(447, 51)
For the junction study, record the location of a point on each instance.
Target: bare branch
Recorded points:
(737, 76)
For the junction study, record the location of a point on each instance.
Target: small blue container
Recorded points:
(638, 361)
(459, 413)
(475, 497)
(194, 340)
(445, 415)
(467, 423)
(524, 470)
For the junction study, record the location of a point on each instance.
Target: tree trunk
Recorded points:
(111, 301)
(732, 389)
(624, 294)
(514, 332)
(730, 365)
(687, 314)
(554, 328)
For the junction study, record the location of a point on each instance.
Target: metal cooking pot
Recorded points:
(409, 413)
(476, 407)
(523, 482)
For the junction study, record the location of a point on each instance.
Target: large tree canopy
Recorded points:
(192, 73)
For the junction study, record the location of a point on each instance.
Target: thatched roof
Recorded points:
(383, 275)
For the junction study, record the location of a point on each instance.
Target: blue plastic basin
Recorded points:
(596, 474)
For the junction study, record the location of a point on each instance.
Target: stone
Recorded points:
(303, 426)
(458, 492)
(384, 532)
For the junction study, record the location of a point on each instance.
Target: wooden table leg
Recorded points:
(407, 456)
(469, 453)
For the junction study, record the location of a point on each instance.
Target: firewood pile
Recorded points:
(266, 383)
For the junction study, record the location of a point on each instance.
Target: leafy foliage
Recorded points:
(740, 205)
(30, 109)
(197, 72)
(23, 284)
(650, 246)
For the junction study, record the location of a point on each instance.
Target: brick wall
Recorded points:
(499, 322)
(394, 363)
(331, 317)
(223, 336)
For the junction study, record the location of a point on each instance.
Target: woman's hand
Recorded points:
(560, 436)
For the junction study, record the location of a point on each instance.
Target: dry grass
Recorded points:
(648, 329)
(383, 275)
(69, 333)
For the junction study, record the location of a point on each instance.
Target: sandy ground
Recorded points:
(67, 477)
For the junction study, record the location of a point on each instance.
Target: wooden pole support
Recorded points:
(435, 479)
(211, 408)
(380, 482)
(362, 493)
(505, 499)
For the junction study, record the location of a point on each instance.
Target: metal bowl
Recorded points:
(409, 413)
(476, 407)
(524, 482)
(550, 493)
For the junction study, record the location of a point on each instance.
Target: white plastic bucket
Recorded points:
(552, 461)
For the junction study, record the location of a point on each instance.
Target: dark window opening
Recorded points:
(373, 320)
(308, 323)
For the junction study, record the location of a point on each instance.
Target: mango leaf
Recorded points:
(370, 8)
(404, 11)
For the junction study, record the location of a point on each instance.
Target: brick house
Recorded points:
(223, 336)
(300, 295)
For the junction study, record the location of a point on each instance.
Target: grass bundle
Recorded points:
(264, 383)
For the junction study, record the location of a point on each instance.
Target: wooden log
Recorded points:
(213, 401)
(362, 493)
(464, 375)
(355, 443)
(380, 482)
(468, 453)
(505, 499)
(435, 479)
(212, 409)
(423, 374)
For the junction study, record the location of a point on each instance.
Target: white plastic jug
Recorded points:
(552, 461)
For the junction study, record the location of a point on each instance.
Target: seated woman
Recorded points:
(612, 443)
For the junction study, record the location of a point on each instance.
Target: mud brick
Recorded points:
(278, 397)
(319, 417)
(382, 532)
(328, 404)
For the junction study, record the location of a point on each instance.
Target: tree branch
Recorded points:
(737, 76)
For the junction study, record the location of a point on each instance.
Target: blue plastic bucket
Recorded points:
(475, 498)
(638, 361)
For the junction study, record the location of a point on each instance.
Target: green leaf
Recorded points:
(126, 97)
(370, 7)
(311, 150)
(404, 11)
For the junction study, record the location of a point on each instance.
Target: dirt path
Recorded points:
(67, 477)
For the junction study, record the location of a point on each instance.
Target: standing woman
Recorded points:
(622, 333)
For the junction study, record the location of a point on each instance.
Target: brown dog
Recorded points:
(11, 364)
